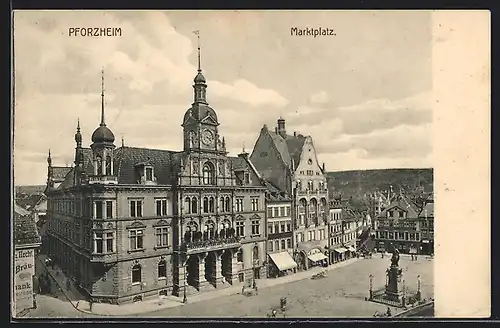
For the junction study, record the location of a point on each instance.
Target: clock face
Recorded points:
(207, 137)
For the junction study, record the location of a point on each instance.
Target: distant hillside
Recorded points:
(29, 190)
(359, 182)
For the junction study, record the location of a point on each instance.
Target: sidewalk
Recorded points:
(154, 305)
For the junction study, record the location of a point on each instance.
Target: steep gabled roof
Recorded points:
(274, 193)
(25, 229)
(404, 204)
(59, 172)
(427, 211)
(289, 147)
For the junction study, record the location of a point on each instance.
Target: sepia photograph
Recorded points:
(223, 164)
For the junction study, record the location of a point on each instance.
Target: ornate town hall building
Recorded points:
(133, 223)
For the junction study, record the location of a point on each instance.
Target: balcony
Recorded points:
(103, 179)
(312, 192)
(104, 258)
(210, 245)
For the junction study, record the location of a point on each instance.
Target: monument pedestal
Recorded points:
(393, 292)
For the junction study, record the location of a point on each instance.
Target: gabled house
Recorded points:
(290, 162)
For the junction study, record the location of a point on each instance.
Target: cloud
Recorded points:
(247, 92)
(319, 98)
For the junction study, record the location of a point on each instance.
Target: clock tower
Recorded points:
(200, 122)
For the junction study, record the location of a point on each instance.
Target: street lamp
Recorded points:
(371, 286)
(184, 299)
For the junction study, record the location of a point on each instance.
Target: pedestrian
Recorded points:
(256, 290)
(389, 313)
(242, 289)
(415, 257)
(274, 313)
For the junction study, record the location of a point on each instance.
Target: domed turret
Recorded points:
(103, 134)
(199, 78)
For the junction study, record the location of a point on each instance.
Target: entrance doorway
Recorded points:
(210, 267)
(227, 264)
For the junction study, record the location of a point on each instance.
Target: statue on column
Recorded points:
(395, 257)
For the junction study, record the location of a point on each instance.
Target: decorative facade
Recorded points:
(406, 226)
(279, 232)
(132, 223)
(290, 162)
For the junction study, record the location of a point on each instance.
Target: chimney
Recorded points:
(276, 129)
(281, 127)
(294, 133)
(324, 167)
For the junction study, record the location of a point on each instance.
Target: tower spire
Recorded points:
(78, 125)
(197, 32)
(102, 97)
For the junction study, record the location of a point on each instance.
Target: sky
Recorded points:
(363, 94)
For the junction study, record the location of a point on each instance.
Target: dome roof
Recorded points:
(199, 78)
(200, 112)
(103, 134)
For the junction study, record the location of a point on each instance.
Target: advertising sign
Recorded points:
(24, 270)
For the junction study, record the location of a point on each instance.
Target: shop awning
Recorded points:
(317, 257)
(340, 250)
(283, 261)
(351, 249)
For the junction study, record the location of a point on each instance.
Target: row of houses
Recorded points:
(129, 223)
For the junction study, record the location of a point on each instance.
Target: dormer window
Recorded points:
(146, 173)
(247, 178)
(149, 173)
(109, 166)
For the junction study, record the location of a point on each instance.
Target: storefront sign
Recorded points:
(24, 270)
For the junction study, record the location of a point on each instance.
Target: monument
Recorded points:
(394, 293)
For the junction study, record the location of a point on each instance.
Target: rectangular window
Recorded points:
(269, 212)
(276, 212)
(270, 246)
(288, 243)
(255, 227)
(98, 243)
(280, 211)
(287, 211)
(161, 207)
(98, 209)
(270, 228)
(288, 226)
(149, 174)
(417, 236)
(109, 209)
(109, 240)
(136, 208)
(255, 204)
(136, 237)
(162, 270)
(282, 225)
(239, 204)
(276, 227)
(240, 228)
(162, 236)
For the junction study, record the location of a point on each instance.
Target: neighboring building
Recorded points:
(26, 243)
(134, 223)
(352, 222)
(399, 224)
(426, 218)
(279, 232)
(290, 162)
(337, 252)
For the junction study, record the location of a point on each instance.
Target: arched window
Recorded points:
(187, 205)
(98, 165)
(162, 269)
(205, 204)
(221, 204)
(208, 173)
(191, 230)
(277, 245)
(136, 274)
(211, 205)
(210, 229)
(228, 204)
(108, 166)
(283, 244)
(310, 185)
(194, 205)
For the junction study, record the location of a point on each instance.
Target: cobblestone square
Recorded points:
(341, 294)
